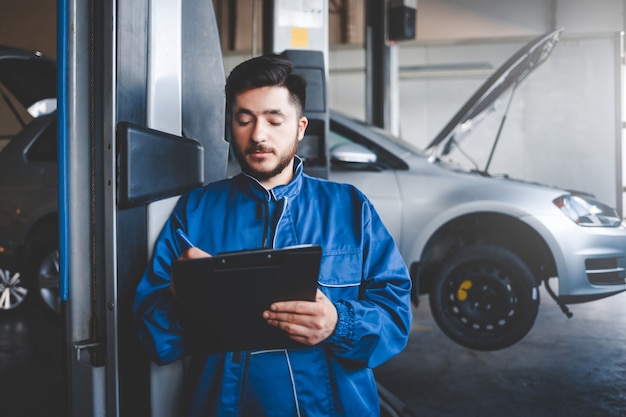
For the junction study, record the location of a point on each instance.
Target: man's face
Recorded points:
(266, 130)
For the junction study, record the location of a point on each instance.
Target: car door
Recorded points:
(378, 181)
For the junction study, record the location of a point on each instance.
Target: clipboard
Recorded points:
(221, 299)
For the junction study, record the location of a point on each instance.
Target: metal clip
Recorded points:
(90, 352)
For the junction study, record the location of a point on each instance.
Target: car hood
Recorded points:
(508, 76)
(29, 76)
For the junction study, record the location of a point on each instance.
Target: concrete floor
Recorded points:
(564, 367)
(31, 365)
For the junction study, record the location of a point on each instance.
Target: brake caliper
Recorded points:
(461, 293)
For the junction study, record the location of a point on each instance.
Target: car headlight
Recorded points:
(585, 211)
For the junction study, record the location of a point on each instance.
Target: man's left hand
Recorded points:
(307, 322)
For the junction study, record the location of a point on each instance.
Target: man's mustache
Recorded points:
(258, 148)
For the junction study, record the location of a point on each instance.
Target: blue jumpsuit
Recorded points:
(361, 272)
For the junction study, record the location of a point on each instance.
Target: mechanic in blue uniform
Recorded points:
(361, 316)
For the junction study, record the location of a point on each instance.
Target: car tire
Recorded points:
(44, 271)
(48, 281)
(484, 297)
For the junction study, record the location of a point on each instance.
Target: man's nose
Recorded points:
(259, 133)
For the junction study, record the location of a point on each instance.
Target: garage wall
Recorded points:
(474, 19)
(29, 24)
(563, 127)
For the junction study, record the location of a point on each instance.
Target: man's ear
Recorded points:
(227, 126)
(302, 124)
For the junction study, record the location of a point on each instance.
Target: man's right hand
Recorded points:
(191, 253)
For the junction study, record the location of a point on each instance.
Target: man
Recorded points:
(361, 316)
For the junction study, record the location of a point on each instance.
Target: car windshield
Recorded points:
(408, 147)
(473, 146)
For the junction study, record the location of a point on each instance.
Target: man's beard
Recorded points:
(283, 161)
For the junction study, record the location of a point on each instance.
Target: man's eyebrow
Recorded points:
(265, 112)
(276, 111)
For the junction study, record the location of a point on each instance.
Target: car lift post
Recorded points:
(112, 56)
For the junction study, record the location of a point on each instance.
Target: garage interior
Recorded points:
(565, 367)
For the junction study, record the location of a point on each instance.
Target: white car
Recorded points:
(481, 246)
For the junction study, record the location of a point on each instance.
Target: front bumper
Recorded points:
(590, 261)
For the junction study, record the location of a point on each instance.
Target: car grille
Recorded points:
(605, 271)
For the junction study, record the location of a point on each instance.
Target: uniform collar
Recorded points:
(289, 190)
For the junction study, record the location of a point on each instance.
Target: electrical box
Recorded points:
(401, 20)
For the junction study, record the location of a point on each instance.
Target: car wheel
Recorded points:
(48, 281)
(484, 297)
(13, 290)
(43, 264)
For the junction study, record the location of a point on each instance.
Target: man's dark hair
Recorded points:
(270, 70)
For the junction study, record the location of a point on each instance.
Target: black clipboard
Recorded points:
(220, 300)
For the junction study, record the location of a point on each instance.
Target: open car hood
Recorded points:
(29, 76)
(508, 76)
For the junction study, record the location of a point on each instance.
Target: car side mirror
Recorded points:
(352, 153)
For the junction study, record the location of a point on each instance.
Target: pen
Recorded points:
(184, 239)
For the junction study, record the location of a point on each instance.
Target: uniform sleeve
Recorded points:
(376, 326)
(154, 310)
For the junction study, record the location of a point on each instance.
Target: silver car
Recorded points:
(481, 246)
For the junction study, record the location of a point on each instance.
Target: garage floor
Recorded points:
(564, 367)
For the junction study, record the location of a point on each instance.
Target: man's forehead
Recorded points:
(273, 92)
(264, 100)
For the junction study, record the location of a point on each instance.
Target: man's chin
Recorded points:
(260, 174)
(266, 169)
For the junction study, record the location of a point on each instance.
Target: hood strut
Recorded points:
(495, 142)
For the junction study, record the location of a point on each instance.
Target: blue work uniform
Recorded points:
(361, 272)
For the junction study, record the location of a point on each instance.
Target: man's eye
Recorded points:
(275, 122)
(243, 122)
